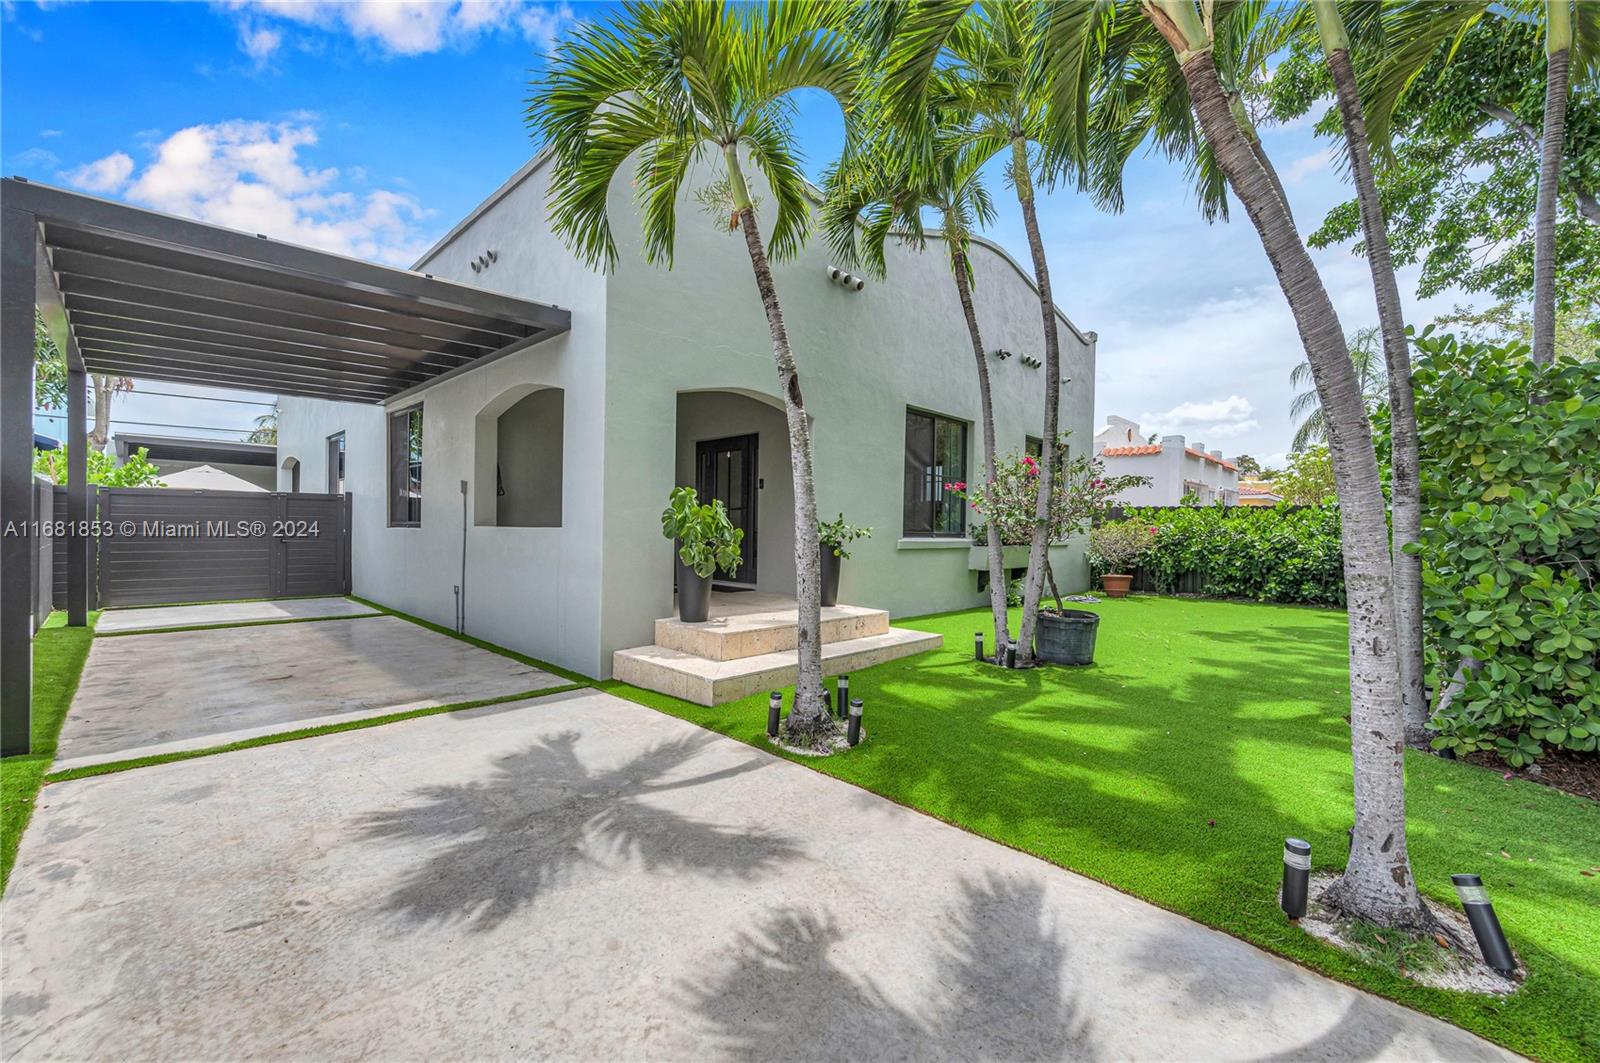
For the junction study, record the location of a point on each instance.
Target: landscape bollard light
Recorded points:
(842, 699)
(853, 733)
(1485, 925)
(1296, 876)
(1011, 655)
(774, 711)
(977, 645)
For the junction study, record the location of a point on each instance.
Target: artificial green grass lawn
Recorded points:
(1174, 767)
(58, 655)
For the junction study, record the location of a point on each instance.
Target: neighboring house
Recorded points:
(254, 463)
(1258, 493)
(537, 480)
(205, 478)
(1175, 467)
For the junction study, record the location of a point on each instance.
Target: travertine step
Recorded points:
(736, 630)
(708, 682)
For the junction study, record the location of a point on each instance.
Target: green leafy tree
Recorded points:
(1306, 406)
(1249, 467)
(49, 368)
(103, 469)
(1308, 481)
(682, 88)
(266, 428)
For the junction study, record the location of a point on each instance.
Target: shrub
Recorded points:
(1279, 554)
(839, 534)
(1080, 494)
(1510, 456)
(708, 540)
(1115, 546)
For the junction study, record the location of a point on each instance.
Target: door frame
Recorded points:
(749, 444)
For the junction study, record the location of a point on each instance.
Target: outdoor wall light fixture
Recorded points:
(1001, 353)
(1031, 362)
(1011, 655)
(843, 698)
(774, 712)
(853, 732)
(1296, 876)
(1485, 924)
(848, 281)
(484, 261)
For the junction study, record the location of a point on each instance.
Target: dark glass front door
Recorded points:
(726, 469)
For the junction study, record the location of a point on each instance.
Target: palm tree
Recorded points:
(982, 61)
(883, 190)
(1405, 475)
(1377, 883)
(687, 85)
(1416, 30)
(1306, 406)
(266, 429)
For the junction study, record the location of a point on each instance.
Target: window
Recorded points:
(1034, 446)
(336, 464)
(405, 468)
(936, 455)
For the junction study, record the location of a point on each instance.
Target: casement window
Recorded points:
(405, 468)
(336, 464)
(936, 456)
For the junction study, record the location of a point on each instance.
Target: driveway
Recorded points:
(144, 694)
(580, 877)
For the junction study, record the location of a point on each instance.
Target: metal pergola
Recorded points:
(137, 293)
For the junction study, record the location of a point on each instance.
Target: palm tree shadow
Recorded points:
(543, 817)
(998, 989)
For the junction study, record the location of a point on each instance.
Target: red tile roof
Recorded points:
(1257, 489)
(1207, 457)
(1132, 452)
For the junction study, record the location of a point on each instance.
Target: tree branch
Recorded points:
(1588, 204)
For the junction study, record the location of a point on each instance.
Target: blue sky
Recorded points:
(371, 128)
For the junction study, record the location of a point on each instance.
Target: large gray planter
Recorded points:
(1067, 637)
(830, 575)
(694, 595)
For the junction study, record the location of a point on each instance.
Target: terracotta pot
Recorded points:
(1116, 586)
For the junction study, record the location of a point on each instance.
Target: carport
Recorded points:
(137, 293)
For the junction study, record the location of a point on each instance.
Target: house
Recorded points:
(255, 463)
(534, 482)
(1175, 467)
(1258, 493)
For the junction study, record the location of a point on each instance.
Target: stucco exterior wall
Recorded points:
(648, 343)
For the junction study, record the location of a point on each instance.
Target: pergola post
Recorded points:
(18, 238)
(78, 542)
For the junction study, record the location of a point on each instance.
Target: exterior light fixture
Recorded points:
(1485, 924)
(848, 281)
(1296, 876)
(842, 700)
(1011, 655)
(774, 712)
(853, 732)
(1001, 353)
(977, 645)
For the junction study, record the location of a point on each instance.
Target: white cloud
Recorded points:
(1218, 419)
(406, 27)
(1309, 165)
(260, 43)
(36, 158)
(109, 174)
(47, 133)
(251, 176)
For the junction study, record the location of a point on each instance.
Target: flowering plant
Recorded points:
(1114, 547)
(1081, 494)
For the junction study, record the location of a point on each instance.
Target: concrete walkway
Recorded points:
(582, 878)
(123, 621)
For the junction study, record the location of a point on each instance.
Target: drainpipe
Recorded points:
(461, 588)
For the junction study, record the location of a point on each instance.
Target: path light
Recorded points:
(853, 733)
(1296, 876)
(1485, 925)
(1011, 655)
(842, 699)
(977, 645)
(774, 711)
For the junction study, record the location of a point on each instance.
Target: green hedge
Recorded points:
(1511, 544)
(1282, 554)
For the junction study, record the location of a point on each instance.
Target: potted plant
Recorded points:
(1081, 495)
(707, 541)
(836, 536)
(1113, 549)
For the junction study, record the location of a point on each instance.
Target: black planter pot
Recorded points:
(694, 595)
(1067, 637)
(830, 575)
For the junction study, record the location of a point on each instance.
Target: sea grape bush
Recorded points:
(1279, 554)
(1511, 545)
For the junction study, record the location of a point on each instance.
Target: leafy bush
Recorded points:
(102, 468)
(1115, 546)
(1510, 456)
(839, 534)
(1282, 554)
(707, 538)
(1081, 493)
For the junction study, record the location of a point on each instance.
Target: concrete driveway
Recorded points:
(580, 877)
(143, 694)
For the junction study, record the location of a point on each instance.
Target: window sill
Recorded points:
(417, 525)
(950, 542)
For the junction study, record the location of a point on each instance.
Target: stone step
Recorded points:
(733, 633)
(708, 682)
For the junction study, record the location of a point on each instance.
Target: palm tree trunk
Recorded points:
(1039, 544)
(104, 389)
(1405, 489)
(997, 573)
(1377, 884)
(808, 714)
(1544, 225)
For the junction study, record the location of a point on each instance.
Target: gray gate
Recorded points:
(161, 546)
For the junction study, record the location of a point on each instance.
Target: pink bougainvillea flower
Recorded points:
(957, 485)
(1154, 530)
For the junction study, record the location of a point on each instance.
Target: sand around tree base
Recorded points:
(1436, 963)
